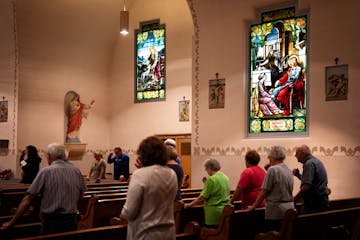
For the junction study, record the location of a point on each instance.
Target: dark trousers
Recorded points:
(56, 223)
(315, 204)
(272, 225)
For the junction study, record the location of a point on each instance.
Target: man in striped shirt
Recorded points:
(60, 186)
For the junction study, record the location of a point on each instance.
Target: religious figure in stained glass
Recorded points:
(278, 78)
(150, 63)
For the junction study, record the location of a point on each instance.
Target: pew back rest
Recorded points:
(344, 203)
(246, 224)
(100, 211)
(109, 233)
(328, 225)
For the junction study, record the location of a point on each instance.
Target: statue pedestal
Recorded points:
(76, 150)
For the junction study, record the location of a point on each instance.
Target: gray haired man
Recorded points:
(60, 186)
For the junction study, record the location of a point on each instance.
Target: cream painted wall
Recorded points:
(223, 47)
(64, 45)
(75, 45)
(8, 88)
(131, 122)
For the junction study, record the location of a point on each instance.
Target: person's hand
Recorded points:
(296, 172)
(251, 207)
(122, 178)
(203, 179)
(186, 205)
(111, 154)
(87, 178)
(6, 226)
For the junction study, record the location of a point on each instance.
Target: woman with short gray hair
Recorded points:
(276, 189)
(215, 194)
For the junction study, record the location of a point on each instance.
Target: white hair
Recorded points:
(170, 142)
(57, 151)
(277, 153)
(212, 164)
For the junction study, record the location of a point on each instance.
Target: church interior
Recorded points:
(51, 48)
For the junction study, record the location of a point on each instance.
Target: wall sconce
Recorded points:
(124, 21)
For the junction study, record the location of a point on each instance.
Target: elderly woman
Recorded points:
(277, 189)
(152, 190)
(215, 194)
(98, 167)
(250, 182)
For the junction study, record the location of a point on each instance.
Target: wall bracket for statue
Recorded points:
(75, 111)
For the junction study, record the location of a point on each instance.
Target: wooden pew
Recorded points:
(21, 231)
(9, 201)
(193, 214)
(117, 232)
(100, 211)
(28, 218)
(222, 231)
(178, 207)
(330, 225)
(98, 188)
(344, 203)
(108, 233)
(185, 190)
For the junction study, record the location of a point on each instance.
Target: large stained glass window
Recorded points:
(150, 76)
(277, 80)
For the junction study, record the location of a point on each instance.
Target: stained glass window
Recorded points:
(277, 80)
(150, 62)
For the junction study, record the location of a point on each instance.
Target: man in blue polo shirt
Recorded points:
(121, 164)
(314, 182)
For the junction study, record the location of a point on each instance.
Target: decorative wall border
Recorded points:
(317, 150)
(196, 71)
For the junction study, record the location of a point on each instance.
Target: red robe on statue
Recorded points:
(75, 119)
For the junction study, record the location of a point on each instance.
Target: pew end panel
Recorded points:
(222, 231)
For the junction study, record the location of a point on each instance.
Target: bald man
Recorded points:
(314, 182)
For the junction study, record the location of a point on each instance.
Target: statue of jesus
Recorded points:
(75, 111)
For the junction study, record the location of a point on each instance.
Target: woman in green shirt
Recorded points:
(215, 194)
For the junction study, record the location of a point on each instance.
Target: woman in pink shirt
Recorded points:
(250, 181)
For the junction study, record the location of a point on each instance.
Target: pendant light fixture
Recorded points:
(124, 21)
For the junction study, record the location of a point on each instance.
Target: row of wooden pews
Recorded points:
(101, 203)
(340, 222)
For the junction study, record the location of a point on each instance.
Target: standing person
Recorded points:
(60, 185)
(121, 164)
(149, 207)
(30, 166)
(250, 182)
(171, 163)
(215, 194)
(172, 143)
(314, 182)
(98, 167)
(277, 189)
